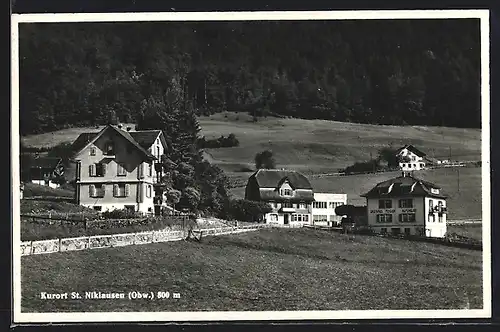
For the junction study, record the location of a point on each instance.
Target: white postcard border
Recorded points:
(20, 317)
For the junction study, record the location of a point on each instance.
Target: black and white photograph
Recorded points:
(215, 166)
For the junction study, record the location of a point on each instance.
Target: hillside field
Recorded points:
(319, 146)
(275, 269)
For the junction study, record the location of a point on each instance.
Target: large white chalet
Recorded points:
(407, 205)
(411, 158)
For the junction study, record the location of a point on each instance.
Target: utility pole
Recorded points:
(458, 178)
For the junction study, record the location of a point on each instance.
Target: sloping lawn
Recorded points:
(274, 269)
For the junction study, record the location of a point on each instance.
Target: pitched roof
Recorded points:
(299, 196)
(271, 178)
(412, 149)
(83, 140)
(87, 138)
(45, 162)
(145, 138)
(403, 186)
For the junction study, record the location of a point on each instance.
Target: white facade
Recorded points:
(48, 183)
(323, 209)
(293, 214)
(414, 163)
(408, 215)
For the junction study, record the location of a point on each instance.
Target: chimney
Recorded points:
(129, 128)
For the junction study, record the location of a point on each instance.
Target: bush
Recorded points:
(221, 142)
(245, 210)
(121, 214)
(265, 160)
(363, 167)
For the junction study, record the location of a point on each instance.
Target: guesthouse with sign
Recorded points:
(407, 205)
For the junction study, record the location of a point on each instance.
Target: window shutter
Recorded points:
(103, 188)
(139, 171)
(91, 170)
(92, 190)
(78, 171)
(103, 169)
(115, 190)
(127, 190)
(139, 193)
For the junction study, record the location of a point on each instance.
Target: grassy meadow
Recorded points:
(275, 269)
(314, 147)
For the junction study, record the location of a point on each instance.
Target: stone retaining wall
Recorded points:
(120, 240)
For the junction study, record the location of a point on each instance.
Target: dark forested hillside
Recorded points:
(374, 71)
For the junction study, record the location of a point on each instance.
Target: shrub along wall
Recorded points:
(44, 229)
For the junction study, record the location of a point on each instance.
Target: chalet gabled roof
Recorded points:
(146, 138)
(403, 186)
(272, 178)
(298, 197)
(49, 163)
(412, 149)
(86, 139)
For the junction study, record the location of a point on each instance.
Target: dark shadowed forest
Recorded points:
(401, 72)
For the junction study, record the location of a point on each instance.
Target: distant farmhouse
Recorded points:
(46, 171)
(411, 158)
(115, 169)
(291, 197)
(407, 205)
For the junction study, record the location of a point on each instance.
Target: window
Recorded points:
(149, 191)
(385, 204)
(406, 203)
(383, 230)
(286, 204)
(413, 158)
(274, 217)
(97, 169)
(405, 190)
(286, 192)
(407, 231)
(395, 231)
(294, 205)
(92, 150)
(97, 208)
(121, 171)
(306, 217)
(319, 205)
(97, 190)
(121, 190)
(158, 152)
(320, 218)
(421, 165)
(150, 209)
(431, 205)
(407, 217)
(302, 206)
(110, 149)
(150, 169)
(384, 218)
(431, 218)
(440, 217)
(334, 205)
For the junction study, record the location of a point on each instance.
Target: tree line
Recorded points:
(399, 72)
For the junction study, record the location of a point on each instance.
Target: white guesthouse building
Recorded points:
(407, 205)
(289, 194)
(411, 158)
(323, 208)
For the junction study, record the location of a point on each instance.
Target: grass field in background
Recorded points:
(320, 146)
(276, 269)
